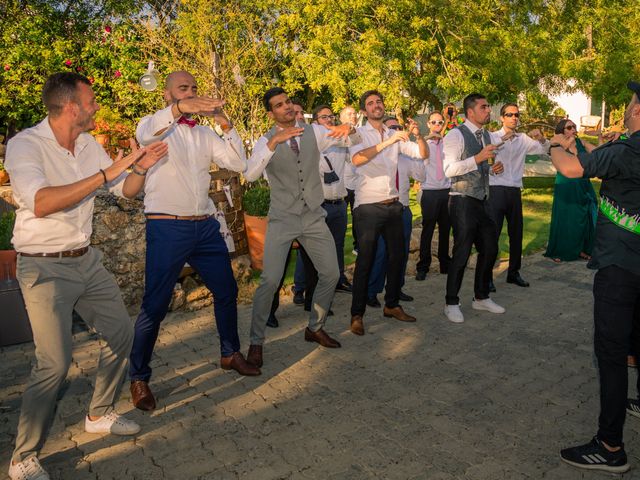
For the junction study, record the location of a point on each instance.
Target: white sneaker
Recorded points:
(30, 469)
(453, 313)
(111, 423)
(488, 305)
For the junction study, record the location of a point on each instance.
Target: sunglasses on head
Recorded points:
(436, 122)
(570, 127)
(509, 115)
(395, 127)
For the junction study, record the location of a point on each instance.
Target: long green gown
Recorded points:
(573, 217)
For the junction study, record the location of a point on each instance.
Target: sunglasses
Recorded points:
(395, 127)
(327, 117)
(570, 127)
(509, 115)
(436, 122)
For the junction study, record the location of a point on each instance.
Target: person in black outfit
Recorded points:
(616, 285)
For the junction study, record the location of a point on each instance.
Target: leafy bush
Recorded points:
(255, 201)
(7, 221)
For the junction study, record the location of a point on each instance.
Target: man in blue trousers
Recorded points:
(181, 226)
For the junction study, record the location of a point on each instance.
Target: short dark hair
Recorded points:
(504, 107)
(562, 124)
(60, 89)
(295, 101)
(269, 94)
(367, 94)
(317, 110)
(386, 119)
(470, 101)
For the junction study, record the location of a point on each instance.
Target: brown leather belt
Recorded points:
(162, 216)
(78, 252)
(388, 201)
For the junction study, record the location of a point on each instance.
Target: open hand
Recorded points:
(412, 127)
(398, 136)
(152, 153)
(339, 131)
(202, 105)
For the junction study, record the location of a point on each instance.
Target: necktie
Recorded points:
(479, 137)
(190, 122)
(439, 171)
(294, 145)
(397, 181)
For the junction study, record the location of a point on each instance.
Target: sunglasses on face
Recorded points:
(327, 117)
(570, 127)
(509, 115)
(436, 122)
(395, 127)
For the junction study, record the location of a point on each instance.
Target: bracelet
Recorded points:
(178, 107)
(554, 145)
(141, 172)
(104, 175)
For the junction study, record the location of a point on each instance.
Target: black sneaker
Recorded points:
(298, 298)
(405, 298)
(633, 407)
(420, 276)
(594, 456)
(272, 321)
(374, 302)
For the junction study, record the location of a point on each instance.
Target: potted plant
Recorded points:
(7, 253)
(4, 176)
(255, 202)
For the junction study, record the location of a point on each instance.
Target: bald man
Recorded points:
(181, 224)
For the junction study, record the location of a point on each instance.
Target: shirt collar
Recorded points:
(43, 130)
(471, 126)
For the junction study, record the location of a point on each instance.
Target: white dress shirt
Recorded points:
(36, 160)
(453, 148)
(350, 175)
(341, 163)
(512, 155)
(408, 168)
(434, 167)
(261, 154)
(376, 179)
(179, 183)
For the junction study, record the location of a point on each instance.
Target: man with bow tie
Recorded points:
(181, 226)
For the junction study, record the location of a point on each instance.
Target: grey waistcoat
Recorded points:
(295, 179)
(475, 183)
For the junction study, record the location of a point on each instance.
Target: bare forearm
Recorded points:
(366, 155)
(424, 148)
(133, 184)
(55, 199)
(567, 164)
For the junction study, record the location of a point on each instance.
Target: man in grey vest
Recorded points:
(290, 153)
(468, 161)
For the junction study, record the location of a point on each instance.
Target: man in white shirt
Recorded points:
(348, 115)
(290, 153)
(505, 197)
(468, 162)
(377, 209)
(56, 168)
(181, 224)
(434, 202)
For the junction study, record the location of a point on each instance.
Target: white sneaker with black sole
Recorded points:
(111, 423)
(487, 305)
(30, 469)
(595, 456)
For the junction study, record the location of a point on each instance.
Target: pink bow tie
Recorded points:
(187, 121)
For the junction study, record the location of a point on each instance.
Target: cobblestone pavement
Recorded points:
(493, 398)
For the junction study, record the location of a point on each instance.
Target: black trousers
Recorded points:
(375, 219)
(350, 199)
(506, 202)
(310, 280)
(435, 209)
(472, 225)
(616, 312)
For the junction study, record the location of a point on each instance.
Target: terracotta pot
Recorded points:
(256, 228)
(124, 143)
(4, 177)
(8, 257)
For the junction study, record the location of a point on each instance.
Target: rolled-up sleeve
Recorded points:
(228, 152)
(452, 150)
(410, 149)
(24, 164)
(258, 160)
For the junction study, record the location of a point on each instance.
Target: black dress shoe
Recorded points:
(272, 321)
(516, 279)
(373, 302)
(405, 298)
(492, 287)
(444, 270)
(344, 287)
(420, 276)
(298, 298)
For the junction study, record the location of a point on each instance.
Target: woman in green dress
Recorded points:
(574, 211)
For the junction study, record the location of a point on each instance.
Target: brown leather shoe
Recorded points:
(141, 396)
(357, 325)
(398, 313)
(254, 355)
(239, 364)
(321, 337)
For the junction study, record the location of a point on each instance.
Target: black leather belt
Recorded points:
(388, 201)
(78, 252)
(334, 202)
